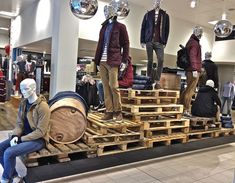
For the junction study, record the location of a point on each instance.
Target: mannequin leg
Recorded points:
(113, 83)
(189, 91)
(108, 99)
(159, 50)
(223, 103)
(149, 49)
(229, 103)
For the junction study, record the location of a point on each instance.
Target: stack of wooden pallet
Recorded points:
(113, 137)
(201, 127)
(160, 114)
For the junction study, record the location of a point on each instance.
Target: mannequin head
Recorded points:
(29, 58)
(19, 58)
(28, 87)
(109, 12)
(210, 83)
(208, 55)
(157, 4)
(198, 31)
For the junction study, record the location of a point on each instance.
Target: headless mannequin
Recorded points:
(156, 5)
(154, 36)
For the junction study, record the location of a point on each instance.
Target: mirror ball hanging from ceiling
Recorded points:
(122, 8)
(84, 9)
(223, 28)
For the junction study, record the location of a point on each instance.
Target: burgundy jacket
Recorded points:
(194, 49)
(127, 80)
(118, 41)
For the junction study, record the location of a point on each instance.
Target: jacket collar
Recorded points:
(194, 37)
(107, 21)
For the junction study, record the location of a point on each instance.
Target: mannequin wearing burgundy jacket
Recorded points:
(193, 72)
(112, 39)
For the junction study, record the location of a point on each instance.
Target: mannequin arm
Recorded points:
(124, 42)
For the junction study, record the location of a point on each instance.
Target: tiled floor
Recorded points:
(215, 165)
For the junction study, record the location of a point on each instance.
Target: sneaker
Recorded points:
(108, 116)
(101, 105)
(119, 117)
(187, 114)
(17, 180)
(157, 86)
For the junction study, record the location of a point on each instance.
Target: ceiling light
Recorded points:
(4, 28)
(8, 14)
(193, 3)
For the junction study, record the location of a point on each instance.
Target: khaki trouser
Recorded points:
(187, 94)
(109, 77)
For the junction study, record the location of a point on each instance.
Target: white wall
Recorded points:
(180, 30)
(33, 24)
(4, 40)
(223, 51)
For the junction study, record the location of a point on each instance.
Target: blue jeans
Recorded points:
(8, 155)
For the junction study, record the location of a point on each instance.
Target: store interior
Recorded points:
(59, 50)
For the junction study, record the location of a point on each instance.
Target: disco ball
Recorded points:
(84, 9)
(121, 7)
(223, 28)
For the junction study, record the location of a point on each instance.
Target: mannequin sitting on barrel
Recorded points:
(30, 133)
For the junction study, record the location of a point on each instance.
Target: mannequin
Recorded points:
(30, 66)
(112, 39)
(211, 69)
(30, 133)
(20, 71)
(154, 35)
(227, 96)
(193, 72)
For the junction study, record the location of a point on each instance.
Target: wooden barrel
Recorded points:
(68, 118)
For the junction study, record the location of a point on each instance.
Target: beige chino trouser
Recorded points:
(109, 77)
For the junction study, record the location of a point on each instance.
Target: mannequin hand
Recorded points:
(14, 141)
(142, 45)
(195, 74)
(98, 68)
(164, 46)
(123, 67)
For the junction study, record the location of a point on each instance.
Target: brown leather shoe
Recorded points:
(108, 116)
(119, 117)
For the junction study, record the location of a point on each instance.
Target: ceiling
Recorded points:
(207, 10)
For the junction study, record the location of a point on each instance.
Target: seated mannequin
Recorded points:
(30, 133)
(207, 102)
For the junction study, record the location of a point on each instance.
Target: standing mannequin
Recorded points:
(193, 72)
(30, 66)
(154, 34)
(112, 39)
(21, 71)
(30, 133)
(211, 69)
(227, 96)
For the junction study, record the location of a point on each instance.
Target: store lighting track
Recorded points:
(4, 28)
(7, 14)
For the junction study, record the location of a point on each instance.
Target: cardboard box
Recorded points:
(170, 81)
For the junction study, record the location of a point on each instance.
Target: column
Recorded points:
(64, 48)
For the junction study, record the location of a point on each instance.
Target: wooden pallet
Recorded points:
(60, 153)
(149, 100)
(101, 127)
(201, 121)
(166, 140)
(154, 93)
(200, 135)
(92, 138)
(148, 117)
(165, 131)
(114, 148)
(165, 123)
(153, 109)
(208, 127)
(225, 132)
